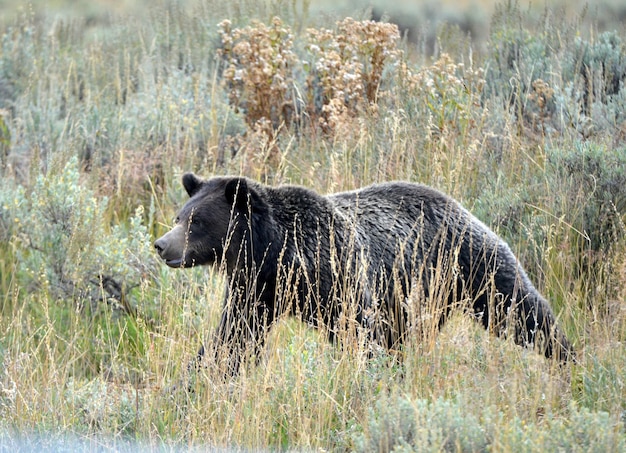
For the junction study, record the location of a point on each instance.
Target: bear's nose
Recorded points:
(159, 245)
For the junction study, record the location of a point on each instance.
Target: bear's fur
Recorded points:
(369, 260)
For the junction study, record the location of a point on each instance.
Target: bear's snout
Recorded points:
(170, 247)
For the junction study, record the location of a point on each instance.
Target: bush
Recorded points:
(517, 57)
(450, 94)
(591, 180)
(587, 180)
(65, 246)
(600, 67)
(583, 431)
(403, 425)
(600, 386)
(259, 71)
(344, 70)
(17, 51)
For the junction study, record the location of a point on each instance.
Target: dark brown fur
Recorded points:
(363, 259)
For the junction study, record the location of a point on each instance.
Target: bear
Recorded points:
(377, 260)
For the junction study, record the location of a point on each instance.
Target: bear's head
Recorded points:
(212, 223)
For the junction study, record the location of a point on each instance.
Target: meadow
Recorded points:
(517, 111)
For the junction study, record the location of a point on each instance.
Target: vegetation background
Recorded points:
(517, 110)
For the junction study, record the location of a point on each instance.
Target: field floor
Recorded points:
(516, 110)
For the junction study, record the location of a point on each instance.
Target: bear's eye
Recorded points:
(176, 220)
(195, 222)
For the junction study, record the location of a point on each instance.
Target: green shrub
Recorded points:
(399, 424)
(591, 181)
(102, 406)
(18, 49)
(599, 387)
(517, 57)
(65, 246)
(449, 95)
(581, 185)
(582, 431)
(600, 67)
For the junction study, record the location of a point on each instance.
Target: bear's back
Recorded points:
(394, 207)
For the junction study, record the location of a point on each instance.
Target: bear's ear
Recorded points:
(238, 193)
(191, 183)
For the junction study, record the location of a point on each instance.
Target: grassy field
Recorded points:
(519, 112)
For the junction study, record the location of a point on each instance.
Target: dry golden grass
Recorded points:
(139, 101)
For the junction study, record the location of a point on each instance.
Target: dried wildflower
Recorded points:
(348, 71)
(344, 71)
(259, 72)
(541, 106)
(542, 93)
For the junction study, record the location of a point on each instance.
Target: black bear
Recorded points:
(375, 260)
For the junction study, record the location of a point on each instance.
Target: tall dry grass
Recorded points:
(523, 127)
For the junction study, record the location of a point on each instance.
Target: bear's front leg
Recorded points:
(240, 335)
